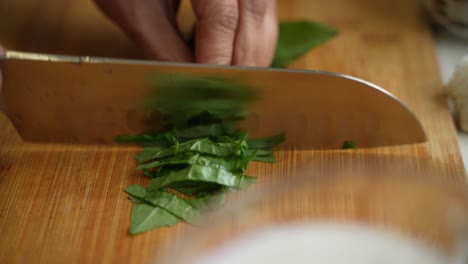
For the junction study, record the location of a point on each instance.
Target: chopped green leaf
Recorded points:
(173, 204)
(259, 153)
(146, 217)
(208, 202)
(204, 145)
(349, 144)
(267, 159)
(135, 199)
(136, 191)
(198, 189)
(196, 173)
(236, 164)
(153, 152)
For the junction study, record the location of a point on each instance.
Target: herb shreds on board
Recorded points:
(198, 154)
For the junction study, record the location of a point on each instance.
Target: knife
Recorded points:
(90, 100)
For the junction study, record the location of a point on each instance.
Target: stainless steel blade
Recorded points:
(90, 100)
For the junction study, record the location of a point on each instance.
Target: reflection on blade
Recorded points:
(91, 100)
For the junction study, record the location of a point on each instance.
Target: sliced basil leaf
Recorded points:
(208, 202)
(136, 191)
(349, 144)
(146, 217)
(197, 188)
(173, 204)
(264, 159)
(204, 174)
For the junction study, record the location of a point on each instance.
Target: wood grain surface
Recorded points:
(65, 204)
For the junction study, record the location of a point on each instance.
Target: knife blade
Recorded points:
(90, 100)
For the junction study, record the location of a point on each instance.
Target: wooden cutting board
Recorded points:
(64, 203)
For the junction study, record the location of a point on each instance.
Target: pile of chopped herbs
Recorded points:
(199, 153)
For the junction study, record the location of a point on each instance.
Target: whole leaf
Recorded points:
(146, 217)
(202, 173)
(296, 38)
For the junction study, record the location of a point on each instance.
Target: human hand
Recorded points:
(237, 32)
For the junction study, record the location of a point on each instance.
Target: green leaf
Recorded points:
(184, 158)
(267, 159)
(208, 202)
(233, 164)
(135, 199)
(236, 164)
(151, 174)
(203, 145)
(259, 153)
(263, 143)
(173, 204)
(136, 191)
(296, 38)
(196, 173)
(153, 152)
(146, 217)
(349, 144)
(197, 188)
